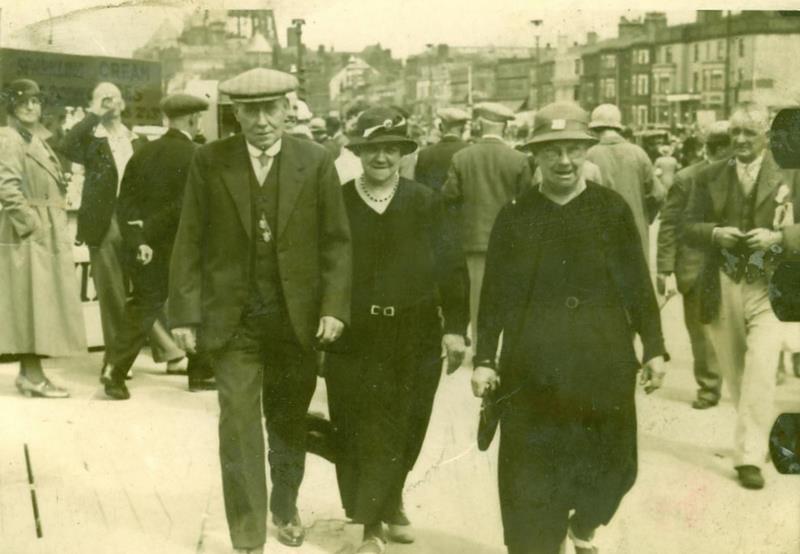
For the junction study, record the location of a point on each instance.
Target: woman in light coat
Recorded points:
(39, 298)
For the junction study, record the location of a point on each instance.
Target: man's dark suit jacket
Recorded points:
(434, 161)
(210, 259)
(706, 209)
(152, 191)
(673, 255)
(99, 196)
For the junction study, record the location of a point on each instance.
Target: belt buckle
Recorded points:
(388, 311)
(375, 310)
(572, 302)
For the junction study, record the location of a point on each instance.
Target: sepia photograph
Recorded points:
(405, 277)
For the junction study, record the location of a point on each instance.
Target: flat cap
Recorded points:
(317, 124)
(178, 104)
(258, 85)
(452, 115)
(493, 111)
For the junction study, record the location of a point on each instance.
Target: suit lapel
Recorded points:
(768, 180)
(236, 176)
(46, 159)
(290, 181)
(719, 188)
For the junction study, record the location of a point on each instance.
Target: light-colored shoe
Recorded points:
(43, 389)
(178, 367)
(372, 545)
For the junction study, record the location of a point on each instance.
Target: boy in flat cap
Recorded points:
(148, 210)
(434, 161)
(482, 178)
(567, 286)
(261, 275)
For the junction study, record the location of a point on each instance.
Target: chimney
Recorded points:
(627, 29)
(591, 38)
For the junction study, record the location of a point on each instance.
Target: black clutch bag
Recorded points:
(491, 410)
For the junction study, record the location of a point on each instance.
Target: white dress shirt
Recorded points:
(748, 173)
(121, 143)
(255, 153)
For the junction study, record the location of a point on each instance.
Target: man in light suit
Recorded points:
(742, 211)
(676, 258)
(261, 270)
(482, 179)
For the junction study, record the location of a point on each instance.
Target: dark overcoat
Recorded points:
(434, 161)
(209, 283)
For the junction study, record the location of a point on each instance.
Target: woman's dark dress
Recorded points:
(383, 374)
(568, 367)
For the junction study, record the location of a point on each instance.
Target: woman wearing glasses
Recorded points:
(39, 299)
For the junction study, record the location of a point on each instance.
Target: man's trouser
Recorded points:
(262, 367)
(746, 337)
(476, 265)
(112, 291)
(706, 370)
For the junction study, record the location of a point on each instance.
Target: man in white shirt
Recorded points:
(103, 145)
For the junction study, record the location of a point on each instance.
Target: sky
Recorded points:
(405, 26)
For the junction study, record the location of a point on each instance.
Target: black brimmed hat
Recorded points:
(20, 90)
(560, 121)
(381, 126)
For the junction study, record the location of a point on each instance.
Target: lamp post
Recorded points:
(298, 25)
(536, 24)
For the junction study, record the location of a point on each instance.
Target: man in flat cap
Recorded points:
(104, 145)
(148, 211)
(261, 275)
(482, 178)
(675, 257)
(626, 169)
(434, 161)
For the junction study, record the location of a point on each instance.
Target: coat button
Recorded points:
(572, 302)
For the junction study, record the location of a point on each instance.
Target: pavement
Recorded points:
(142, 476)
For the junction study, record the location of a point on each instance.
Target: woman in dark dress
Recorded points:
(567, 285)
(383, 374)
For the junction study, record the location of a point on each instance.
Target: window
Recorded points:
(644, 85)
(642, 115)
(740, 76)
(697, 52)
(695, 82)
(668, 54)
(708, 50)
(663, 85)
(609, 61)
(720, 49)
(643, 56)
(609, 89)
(716, 80)
(741, 48)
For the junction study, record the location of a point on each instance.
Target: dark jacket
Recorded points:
(152, 190)
(434, 161)
(209, 283)
(511, 265)
(483, 177)
(707, 208)
(672, 254)
(99, 195)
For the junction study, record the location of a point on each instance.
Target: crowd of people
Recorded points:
(304, 246)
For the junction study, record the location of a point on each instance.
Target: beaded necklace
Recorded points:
(363, 187)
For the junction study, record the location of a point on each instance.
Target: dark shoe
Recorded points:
(402, 534)
(704, 403)
(750, 477)
(198, 385)
(290, 533)
(42, 389)
(116, 390)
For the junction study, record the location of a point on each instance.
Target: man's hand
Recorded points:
(727, 237)
(455, 348)
(653, 373)
(186, 339)
(763, 239)
(329, 329)
(103, 107)
(665, 284)
(144, 255)
(484, 379)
